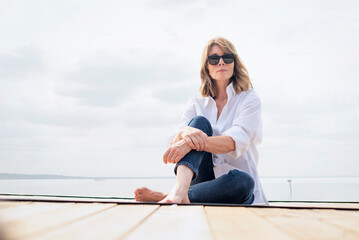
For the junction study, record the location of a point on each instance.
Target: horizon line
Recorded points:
(139, 177)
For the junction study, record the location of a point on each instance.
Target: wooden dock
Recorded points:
(80, 218)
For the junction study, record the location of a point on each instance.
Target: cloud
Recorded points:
(141, 110)
(20, 62)
(178, 93)
(105, 79)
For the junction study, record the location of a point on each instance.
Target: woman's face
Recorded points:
(221, 71)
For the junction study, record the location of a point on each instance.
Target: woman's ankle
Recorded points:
(184, 176)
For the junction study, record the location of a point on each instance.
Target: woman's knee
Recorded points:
(244, 180)
(202, 123)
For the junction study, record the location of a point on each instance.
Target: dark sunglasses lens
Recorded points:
(228, 58)
(213, 60)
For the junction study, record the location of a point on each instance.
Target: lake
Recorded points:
(276, 189)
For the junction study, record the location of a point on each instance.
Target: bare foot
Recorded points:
(178, 194)
(144, 194)
(175, 198)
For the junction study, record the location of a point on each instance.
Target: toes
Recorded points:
(166, 200)
(138, 197)
(140, 190)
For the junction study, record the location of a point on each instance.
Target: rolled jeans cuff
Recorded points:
(195, 171)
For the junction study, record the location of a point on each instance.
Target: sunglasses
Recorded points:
(227, 58)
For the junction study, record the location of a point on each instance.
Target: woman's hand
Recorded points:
(195, 138)
(176, 152)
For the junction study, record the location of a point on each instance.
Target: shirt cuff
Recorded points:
(240, 139)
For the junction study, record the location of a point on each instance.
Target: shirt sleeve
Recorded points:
(188, 114)
(246, 121)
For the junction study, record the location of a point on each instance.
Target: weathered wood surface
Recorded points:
(304, 224)
(241, 223)
(20, 223)
(316, 204)
(63, 199)
(71, 220)
(114, 223)
(174, 222)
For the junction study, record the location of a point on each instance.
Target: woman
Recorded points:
(214, 150)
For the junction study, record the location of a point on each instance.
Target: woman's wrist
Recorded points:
(177, 138)
(186, 148)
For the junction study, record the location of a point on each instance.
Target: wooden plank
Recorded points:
(64, 199)
(240, 223)
(21, 211)
(174, 222)
(11, 223)
(11, 204)
(302, 224)
(113, 223)
(316, 204)
(347, 220)
(43, 221)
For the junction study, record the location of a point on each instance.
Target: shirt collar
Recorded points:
(206, 101)
(230, 92)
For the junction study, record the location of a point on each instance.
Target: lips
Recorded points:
(222, 70)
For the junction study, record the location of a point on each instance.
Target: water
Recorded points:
(312, 189)
(276, 189)
(82, 187)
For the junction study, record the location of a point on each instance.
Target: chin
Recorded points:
(222, 79)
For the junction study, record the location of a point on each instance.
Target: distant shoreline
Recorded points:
(16, 176)
(10, 176)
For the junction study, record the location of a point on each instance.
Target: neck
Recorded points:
(221, 87)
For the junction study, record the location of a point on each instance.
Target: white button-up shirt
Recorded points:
(241, 120)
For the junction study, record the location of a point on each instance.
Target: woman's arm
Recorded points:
(195, 138)
(220, 144)
(180, 147)
(199, 141)
(216, 144)
(246, 122)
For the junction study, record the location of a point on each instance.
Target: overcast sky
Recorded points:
(95, 88)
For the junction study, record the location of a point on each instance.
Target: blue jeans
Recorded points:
(234, 187)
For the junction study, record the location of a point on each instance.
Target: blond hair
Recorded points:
(240, 78)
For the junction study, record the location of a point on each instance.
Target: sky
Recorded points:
(96, 88)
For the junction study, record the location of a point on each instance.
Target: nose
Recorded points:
(221, 62)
